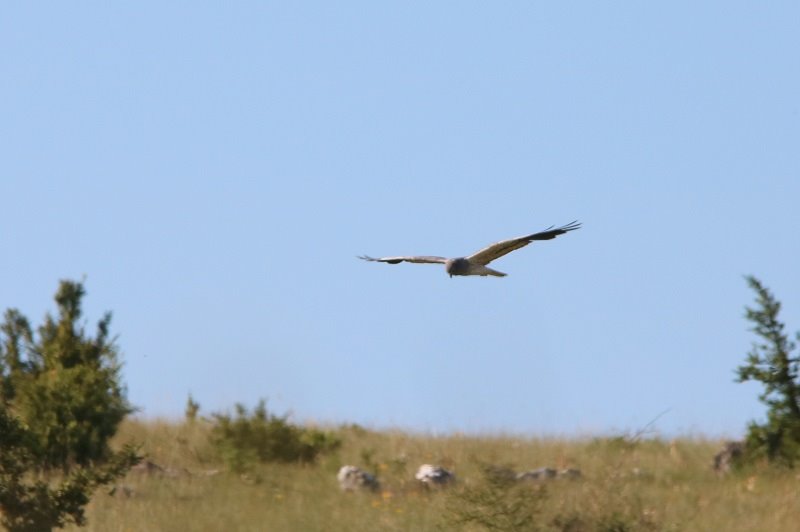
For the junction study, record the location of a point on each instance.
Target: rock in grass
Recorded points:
(547, 473)
(570, 473)
(352, 478)
(543, 473)
(431, 475)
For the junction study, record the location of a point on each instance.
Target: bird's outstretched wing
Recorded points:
(498, 249)
(396, 260)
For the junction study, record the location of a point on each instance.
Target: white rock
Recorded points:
(432, 475)
(352, 478)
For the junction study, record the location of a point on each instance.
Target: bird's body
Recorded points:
(476, 264)
(463, 266)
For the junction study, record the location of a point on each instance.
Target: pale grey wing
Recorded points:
(498, 249)
(397, 260)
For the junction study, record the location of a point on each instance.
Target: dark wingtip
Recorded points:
(550, 232)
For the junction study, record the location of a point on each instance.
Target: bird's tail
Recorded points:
(490, 271)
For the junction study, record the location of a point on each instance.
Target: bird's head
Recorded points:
(456, 266)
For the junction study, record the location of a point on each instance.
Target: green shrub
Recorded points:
(497, 502)
(192, 409)
(246, 439)
(64, 384)
(500, 501)
(31, 502)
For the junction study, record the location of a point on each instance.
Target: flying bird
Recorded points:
(476, 263)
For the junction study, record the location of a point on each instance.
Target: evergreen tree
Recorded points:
(63, 384)
(61, 401)
(770, 362)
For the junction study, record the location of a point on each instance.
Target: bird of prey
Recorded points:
(475, 264)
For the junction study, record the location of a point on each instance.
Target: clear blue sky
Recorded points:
(214, 170)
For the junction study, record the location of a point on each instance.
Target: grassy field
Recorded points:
(645, 484)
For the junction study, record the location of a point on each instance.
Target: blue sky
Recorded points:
(212, 171)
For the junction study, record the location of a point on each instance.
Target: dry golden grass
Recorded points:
(645, 485)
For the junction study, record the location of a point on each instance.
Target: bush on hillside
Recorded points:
(192, 409)
(501, 501)
(497, 502)
(246, 439)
